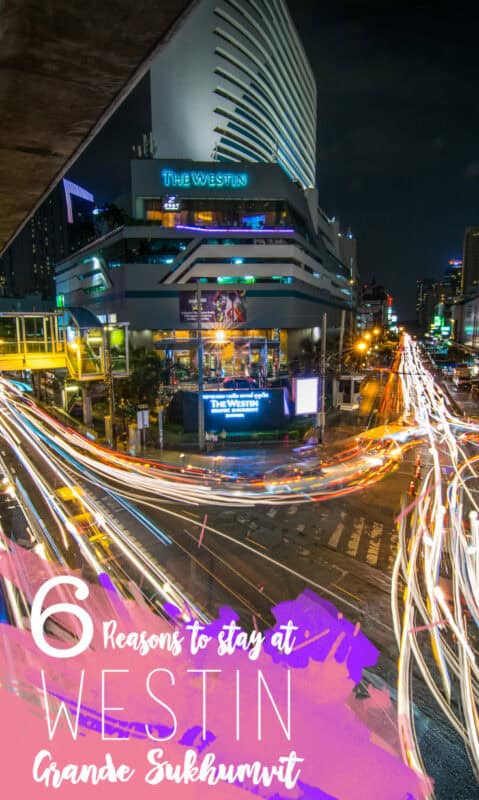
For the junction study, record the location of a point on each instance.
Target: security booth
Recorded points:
(346, 391)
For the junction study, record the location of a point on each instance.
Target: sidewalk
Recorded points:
(256, 459)
(249, 459)
(251, 462)
(464, 401)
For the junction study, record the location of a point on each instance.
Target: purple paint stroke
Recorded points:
(315, 616)
(345, 754)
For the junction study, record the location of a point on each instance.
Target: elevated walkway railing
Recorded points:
(56, 340)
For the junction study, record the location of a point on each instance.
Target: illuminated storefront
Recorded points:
(255, 353)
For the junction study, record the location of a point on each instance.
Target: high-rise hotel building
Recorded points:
(228, 200)
(234, 85)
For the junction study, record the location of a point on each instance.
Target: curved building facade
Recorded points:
(246, 88)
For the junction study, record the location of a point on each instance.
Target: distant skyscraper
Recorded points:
(375, 306)
(62, 224)
(234, 84)
(454, 276)
(425, 301)
(470, 272)
(435, 297)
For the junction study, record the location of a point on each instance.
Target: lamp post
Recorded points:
(201, 408)
(322, 411)
(341, 335)
(110, 385)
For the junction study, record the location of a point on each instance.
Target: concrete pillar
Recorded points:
(86, 405)
(134, 442)
(108, 429)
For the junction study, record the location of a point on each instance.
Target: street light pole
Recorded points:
(341, 336)
(111, 386)
(322, 413)
(201, 409)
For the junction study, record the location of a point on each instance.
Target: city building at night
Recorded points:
(62, 224)
(244, 234)
(465, 310)
(470, 271)
(466, 321)
(454, 276)
(223, 196)
(436, 298)
(375, 307)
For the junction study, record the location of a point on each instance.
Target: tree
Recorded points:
(146, 372)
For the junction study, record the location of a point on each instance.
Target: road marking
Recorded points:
(202, 532)
(388, 549)
(253, 541)
(375, 540)
(336, 535)
(355, 538)
(335, 586)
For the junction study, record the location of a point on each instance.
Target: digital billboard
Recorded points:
(306, 398)
(223, 308)
(235, 405)
(237, 410)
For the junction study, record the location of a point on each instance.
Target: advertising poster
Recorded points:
(220, 308)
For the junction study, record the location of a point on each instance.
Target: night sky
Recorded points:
(398, 141)
(398, 130)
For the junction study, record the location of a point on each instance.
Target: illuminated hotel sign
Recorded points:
(171, 203)
(241, 410)
(235, 405)
(201, 179)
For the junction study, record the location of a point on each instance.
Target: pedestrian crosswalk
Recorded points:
(366, 540)
(355, 538)
(351, 532)
(336, 535)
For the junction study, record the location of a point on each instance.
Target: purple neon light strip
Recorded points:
(234, 230)
(70, 189)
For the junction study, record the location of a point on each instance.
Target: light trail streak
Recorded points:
(130, 481)
(436, 573)
(348, 472)
(99, 528)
